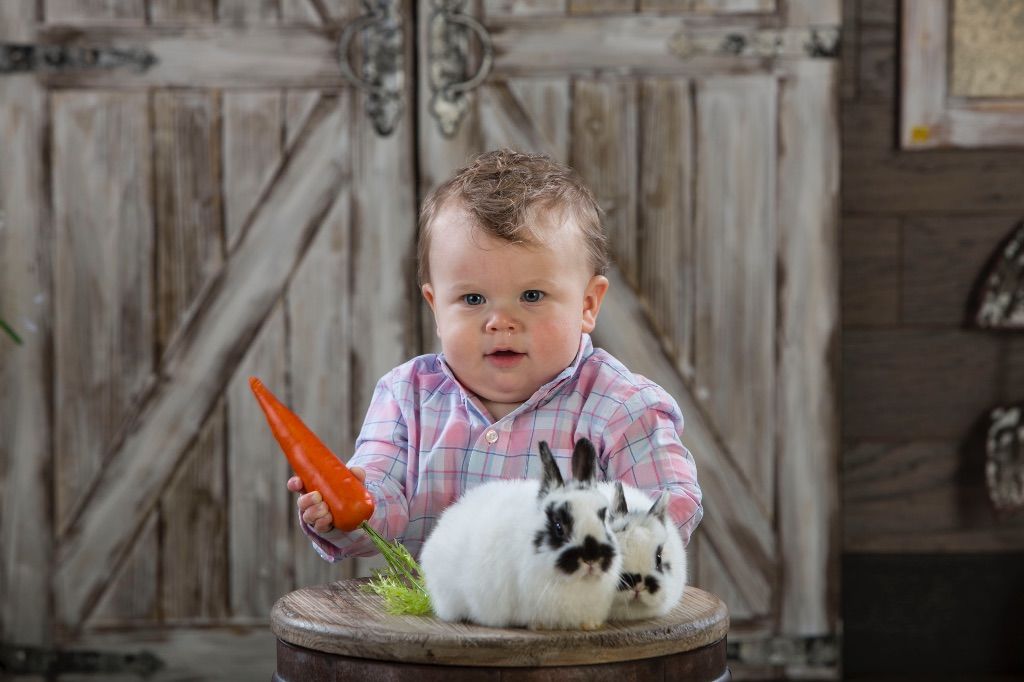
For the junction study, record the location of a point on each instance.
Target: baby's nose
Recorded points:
(501, 322)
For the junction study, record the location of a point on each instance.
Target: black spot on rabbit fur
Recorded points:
(627, 581)
(592, 551)
(558, 529)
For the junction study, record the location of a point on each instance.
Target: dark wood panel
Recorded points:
(925, 496)
(916, 384)
(942, 261)
(878, 179)
(870, 272)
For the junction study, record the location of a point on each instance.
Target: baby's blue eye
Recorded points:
(532, 296)
(473, 299)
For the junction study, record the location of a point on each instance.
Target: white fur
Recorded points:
(640, 533)
(480, 562)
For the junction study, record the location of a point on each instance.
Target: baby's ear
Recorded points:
(428, 294)
(593, 295)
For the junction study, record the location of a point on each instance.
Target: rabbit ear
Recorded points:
(660, 506)
(584, 461)
(552, 476)
(619, 500)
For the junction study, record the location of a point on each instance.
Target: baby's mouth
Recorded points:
(505, 357)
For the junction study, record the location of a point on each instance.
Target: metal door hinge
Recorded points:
(448, 43)
(29, 660)
(26, 57)
(818, 651)
(382, 65)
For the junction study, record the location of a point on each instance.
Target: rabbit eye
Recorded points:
(559, 530)
(657, 558)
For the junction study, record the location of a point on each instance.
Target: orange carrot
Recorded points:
(349, 501)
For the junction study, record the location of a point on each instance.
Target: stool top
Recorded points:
(342, 618)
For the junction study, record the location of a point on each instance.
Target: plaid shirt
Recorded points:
(426, 440)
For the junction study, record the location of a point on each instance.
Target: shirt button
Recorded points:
(491, 436)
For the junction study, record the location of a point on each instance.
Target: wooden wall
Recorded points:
(917, 228)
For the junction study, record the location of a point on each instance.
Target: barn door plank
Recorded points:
(808, 419)
(26, 409)
(666, 213)
(248, 12)
(734, 248)
(198, 365)
(103, 319)
(604, 151)
(253, 121)
(190, 250)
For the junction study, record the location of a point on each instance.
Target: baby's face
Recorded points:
(509, 316)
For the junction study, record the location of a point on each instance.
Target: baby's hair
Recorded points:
(501, 187)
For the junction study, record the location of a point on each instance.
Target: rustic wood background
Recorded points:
(233, 212)
(917, 229)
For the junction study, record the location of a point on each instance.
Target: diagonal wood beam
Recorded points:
(199, 364)
(733, 522)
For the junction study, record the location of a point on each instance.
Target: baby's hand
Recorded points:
(312, 507)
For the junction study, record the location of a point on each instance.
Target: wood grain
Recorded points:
(26, 300)
(104, 315)
(342, 618)
(870, 272)
(181, 11)
(807, 422)
(923, 496)
(735, 238)
(253, 121)
(604, 151)
(917, 383)
(666, 247)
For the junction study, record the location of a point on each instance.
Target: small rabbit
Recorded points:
(531, 553)
(653, 573)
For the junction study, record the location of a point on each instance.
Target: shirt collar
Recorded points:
(585, 351)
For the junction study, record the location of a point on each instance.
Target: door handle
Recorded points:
(383, 74)
(448, 61)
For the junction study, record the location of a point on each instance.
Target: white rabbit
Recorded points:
(529, 553)
(653, 573)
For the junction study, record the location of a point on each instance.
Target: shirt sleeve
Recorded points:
(382, 450)
(643, 448)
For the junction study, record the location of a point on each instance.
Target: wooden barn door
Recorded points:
(191, 194)
(708, 129)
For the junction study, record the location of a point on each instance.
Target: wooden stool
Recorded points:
(341, 632)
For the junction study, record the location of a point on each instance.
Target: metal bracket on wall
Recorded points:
(26, 58)
(448, 45)
(382, 63)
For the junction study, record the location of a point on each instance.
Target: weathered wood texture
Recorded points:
(26, 300)
(343, 618)
(917, 230)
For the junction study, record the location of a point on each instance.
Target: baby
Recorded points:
(511, 260)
